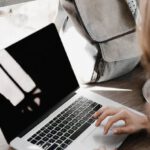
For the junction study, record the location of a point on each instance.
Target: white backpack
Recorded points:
(99, 37)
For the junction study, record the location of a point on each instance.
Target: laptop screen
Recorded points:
(38, 75)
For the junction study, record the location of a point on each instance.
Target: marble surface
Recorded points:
(20, 20)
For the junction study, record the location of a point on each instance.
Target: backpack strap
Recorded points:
(61, 17)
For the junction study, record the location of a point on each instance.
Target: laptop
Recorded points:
(52, 111)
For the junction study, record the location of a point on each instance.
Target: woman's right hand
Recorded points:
(133, 122)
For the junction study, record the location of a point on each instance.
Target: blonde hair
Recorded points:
(144, 32)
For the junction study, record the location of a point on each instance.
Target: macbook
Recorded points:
(51, 112)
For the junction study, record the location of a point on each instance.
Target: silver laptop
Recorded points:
(54, 113)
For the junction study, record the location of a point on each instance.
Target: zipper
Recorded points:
(99, 67)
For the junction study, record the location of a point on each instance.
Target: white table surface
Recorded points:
(25, 19)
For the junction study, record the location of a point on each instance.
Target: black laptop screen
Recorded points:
(42, 57)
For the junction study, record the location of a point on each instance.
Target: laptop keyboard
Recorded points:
(67, 126)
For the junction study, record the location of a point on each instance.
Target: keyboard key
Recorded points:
(54, 119)
(71, 124)
(88, 115)
(34, 135)
(46, 131)
(68, 141)
(97, 107)
(82, 121)
(46, 146)
(53, 132)
(70, 131)
(91, 120)
(51, 122)
(76, 113)
(51, 141)
(67, 127)
(66, 134)
(93, 105)
(61, 125)
(79, 131)
(38, 132)
(74, 128)
(45, 139)
(40, 143)
(55, 137)
(72, 116)
(62, 118)
(58, 116)
(82, 115)
(69, 119)
(30, 139)
(47, 125)
(74, 121)
(53, 147)
(85, 118)
(58, 121)
(50, 127)
(78, 124)
(49, 135)
(65, 115)
(63, 130)
(57, 128)
(63, 138)
(59, 134)
(38, 138)
(65, 122)
(59, 141)
(33, 141)
(42, 134)
(59, 148)
(54, 124)
(78, 118)
(63, 145)
(91, 112)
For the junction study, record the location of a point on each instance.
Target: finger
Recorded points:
(112, 120)
(147, 110)
(99, 112)
(105, 114)
(123, 130)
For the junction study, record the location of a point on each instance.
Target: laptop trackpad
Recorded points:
(96, 140)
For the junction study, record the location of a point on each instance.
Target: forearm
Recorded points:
(148, 126)
(145, 124)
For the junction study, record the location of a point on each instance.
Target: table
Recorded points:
(133, 99)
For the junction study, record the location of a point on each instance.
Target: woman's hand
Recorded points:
(133, 122)
(147, 110)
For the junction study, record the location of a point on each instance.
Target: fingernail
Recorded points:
(94, 115)
(114, 131)
(105, 132)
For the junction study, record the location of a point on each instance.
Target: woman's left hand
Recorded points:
(133, 121)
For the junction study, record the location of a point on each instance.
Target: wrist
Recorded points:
(146, 124)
